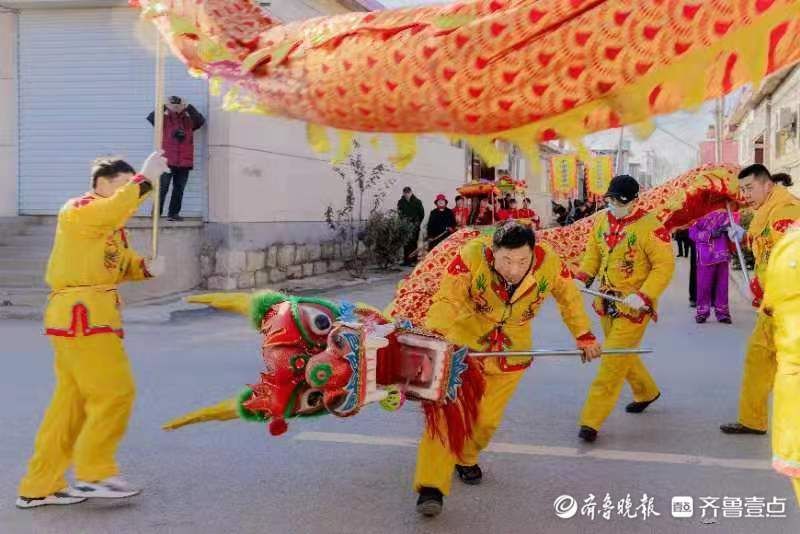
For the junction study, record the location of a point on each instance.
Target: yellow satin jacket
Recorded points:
(629, 255)
(90, 257)
(474, 306)
(770, 222)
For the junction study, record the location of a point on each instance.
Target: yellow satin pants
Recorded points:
(758, 375)
(87, 416)
(435, 462)
(614, 371)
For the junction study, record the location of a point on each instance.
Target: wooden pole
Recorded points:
(158, 138)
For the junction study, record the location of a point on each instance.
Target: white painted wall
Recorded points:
(8, 114)
(787, 96)
(262, 170)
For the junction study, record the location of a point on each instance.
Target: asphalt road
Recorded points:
(354, 475)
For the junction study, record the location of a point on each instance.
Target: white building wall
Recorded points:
(786, 99)
(8, 113)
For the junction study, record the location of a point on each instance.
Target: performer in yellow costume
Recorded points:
(631, 255)
(782, 303)
(490, 294)
(776, 209)
(94, 386)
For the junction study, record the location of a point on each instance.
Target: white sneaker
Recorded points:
(60, 497)
(110, 488)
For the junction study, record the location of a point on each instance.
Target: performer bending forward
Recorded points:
(94, 386)
(490, 294)
(632, 257)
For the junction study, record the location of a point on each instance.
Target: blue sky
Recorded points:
(691, 127)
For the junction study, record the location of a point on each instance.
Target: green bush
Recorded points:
(384, 235)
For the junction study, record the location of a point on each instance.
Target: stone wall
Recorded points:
(228, 269)
(180, 245)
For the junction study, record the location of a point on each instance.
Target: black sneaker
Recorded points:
(470, 474)
(738, 428)
(58, 498)
(587, 434)
(700, 319)
(430, 502)
(175, 218)
(726, 320)
(639, 407)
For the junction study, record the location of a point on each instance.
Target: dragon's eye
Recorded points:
(319, 322)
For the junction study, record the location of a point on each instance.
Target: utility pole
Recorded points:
(618, 163)
(718, 116)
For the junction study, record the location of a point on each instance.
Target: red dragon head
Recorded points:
(294, 329)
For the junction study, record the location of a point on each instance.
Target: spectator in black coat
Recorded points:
(410, 208)
(441, 222)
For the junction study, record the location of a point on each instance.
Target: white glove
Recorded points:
(155, 266)
(736, 233)
(154, 166)
(635, 301)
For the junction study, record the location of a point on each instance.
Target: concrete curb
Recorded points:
(165, 309)
(176, 305)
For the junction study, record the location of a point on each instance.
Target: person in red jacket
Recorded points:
(506, 210)
(527, 213)
(461, 212)
(483, 216)
(180, 122)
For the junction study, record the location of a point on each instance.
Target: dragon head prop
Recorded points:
(325, 357)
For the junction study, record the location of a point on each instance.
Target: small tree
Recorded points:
(384, 236)
(348, 222)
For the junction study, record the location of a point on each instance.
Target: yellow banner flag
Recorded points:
(599, 171)
(564, 176)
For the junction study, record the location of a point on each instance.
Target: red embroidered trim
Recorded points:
(663, 234)
(144, 269)
(615, 227)
(83, 201)
(457, 266)
(510, 368)
(583, 277)
(782, 225)
(758, 292)
(588, 336)
(80, 317)
(539, 255)
(139, 178)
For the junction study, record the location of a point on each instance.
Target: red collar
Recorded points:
(625, 221)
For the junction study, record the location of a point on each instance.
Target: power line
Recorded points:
(678, 139)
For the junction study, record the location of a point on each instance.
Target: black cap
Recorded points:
(175, 100)
(623, 188)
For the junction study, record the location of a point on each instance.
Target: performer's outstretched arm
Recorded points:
(112, 212)
(571, 307)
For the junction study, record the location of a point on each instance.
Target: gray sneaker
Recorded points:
(110, 488)
(58, 498)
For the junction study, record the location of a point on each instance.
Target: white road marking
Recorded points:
(541, 450)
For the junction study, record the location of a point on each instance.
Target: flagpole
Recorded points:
(158, 138)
